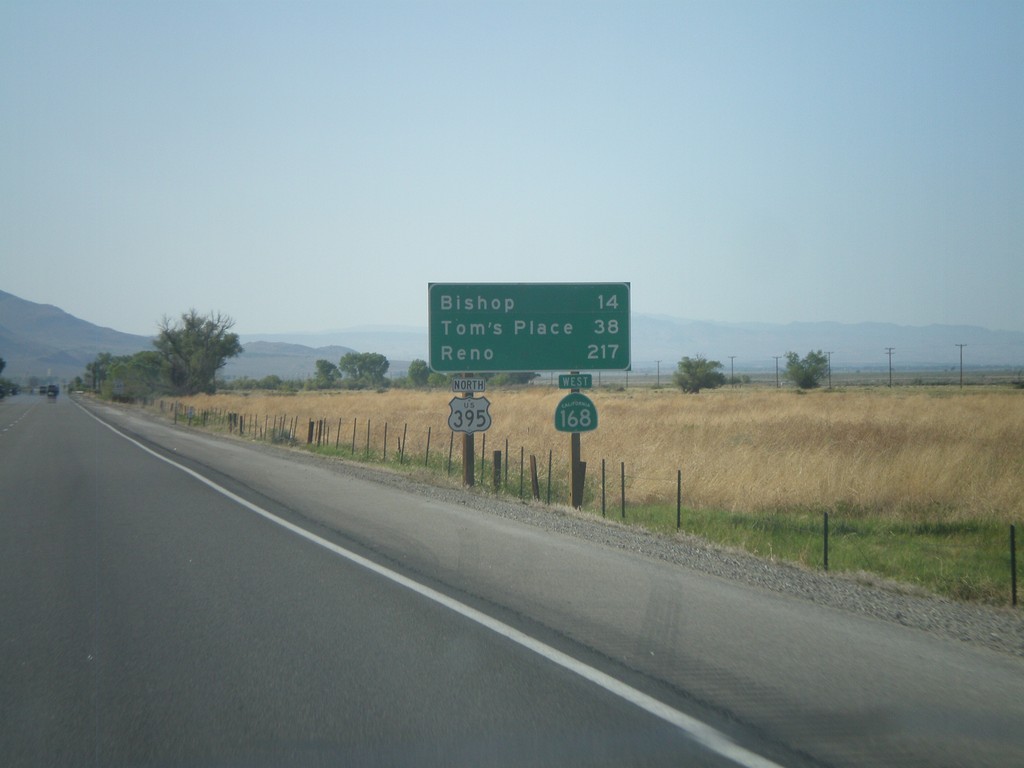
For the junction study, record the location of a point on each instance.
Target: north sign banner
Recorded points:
(468, 384)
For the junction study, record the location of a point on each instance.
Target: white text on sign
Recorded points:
(536, 327)
(477, 303)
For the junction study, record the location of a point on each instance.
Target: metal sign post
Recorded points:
(577, 471)
(468, 454)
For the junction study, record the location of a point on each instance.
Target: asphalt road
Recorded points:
(169, 599)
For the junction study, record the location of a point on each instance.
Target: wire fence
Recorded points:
(822, 540)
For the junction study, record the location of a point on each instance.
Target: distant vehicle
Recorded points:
(42, 389)
(52, 391)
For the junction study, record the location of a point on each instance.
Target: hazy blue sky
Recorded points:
(306, 166)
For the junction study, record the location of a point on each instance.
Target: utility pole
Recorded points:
(889, 351)
(961, 363)
(658, 382)
(732, 373)
(777, 385)
(829, 369)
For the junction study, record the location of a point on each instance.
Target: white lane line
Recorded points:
(705, 735)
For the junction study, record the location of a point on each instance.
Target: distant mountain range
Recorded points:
(274, 358)
(859, 346)
(655, 338)
(44, 341)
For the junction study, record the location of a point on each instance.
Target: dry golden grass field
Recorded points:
(938, 455)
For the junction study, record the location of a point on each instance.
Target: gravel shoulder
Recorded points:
(999, 629)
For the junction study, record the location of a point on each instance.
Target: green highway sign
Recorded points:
(492, 327)
(575, 413)
(575, 381)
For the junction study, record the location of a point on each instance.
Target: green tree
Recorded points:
(96, 371)
(364, 369)
(513, 378)
(139, 375)
(326, 375)
(194, 350)
(438, 380)
(419, 373)
(271, 383)
(274, 382)
(697, 373)
(808, 372)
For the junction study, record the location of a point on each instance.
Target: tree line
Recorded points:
(188, 353)
(696, 373)
(6, 387)
(185, 359)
